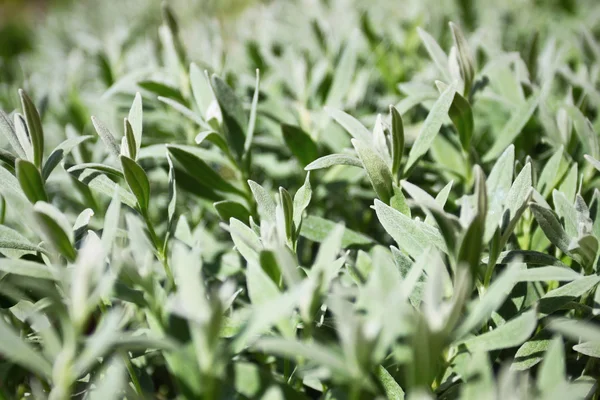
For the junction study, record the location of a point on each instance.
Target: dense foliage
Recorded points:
(327, 199)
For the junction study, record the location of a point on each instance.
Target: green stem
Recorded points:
(133, 375)
(159, 251)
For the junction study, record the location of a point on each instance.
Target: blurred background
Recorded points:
(78, 58)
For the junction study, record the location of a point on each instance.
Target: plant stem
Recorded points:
(159, 251)
(134, 379)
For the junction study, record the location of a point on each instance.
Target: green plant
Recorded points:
(287, 233)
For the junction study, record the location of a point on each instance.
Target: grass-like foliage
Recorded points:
(302, 199)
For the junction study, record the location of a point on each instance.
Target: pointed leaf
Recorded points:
(31, 181)
(431, 126)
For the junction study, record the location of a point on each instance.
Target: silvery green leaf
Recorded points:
(570, 182)
(397, 139)
(200, 88)
(412, 236)
(7, 129)
(13, 244)
(34, 128)
(302, 200)
(530, 353)
(392, 389)
(595, 163)
(317, 353)
(266, 205)
(60, 152)
(84, 276)
(287, 206)
(465, 59)
(128, 146)
(104, 185)
(552, 369)
(183, 110)
(107, 169)
(519, 192)
(461, 115)
(436, 53)
(549, 273)
(585, 131)
(481, 310)
(31, 181)
(108, 386)
(135, 119)
(350, 124)
(550, 175)
(23, 136)
(55, 228)
(252, 119)
(81, 223)
(591, 349)
(162, 89)
(377, 170)
(575, 330)
(29, 269)
(343, 75)
(498, 186)
(479, 382)
(328, 254)
(556, 298)
(100, 342)
(138, 182)
(107, 137)
(513, 333)
(317, 229)
(245, 240)
(584, 249)
(513, 128)
(111, 221)
(565, 211)
(235, 120)
(431, 126)
(441, 199)
(551, 226)
(271, 309)
(200, 171)
(19, 351)
(333, 159)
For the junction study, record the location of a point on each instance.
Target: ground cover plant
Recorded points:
(303, 199)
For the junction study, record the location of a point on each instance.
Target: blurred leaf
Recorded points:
(300, 144)
(228, 209)
(317, 229)
(163, 90)
(350, 124)
(234, 117)
(513, 128)
(15, 349)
